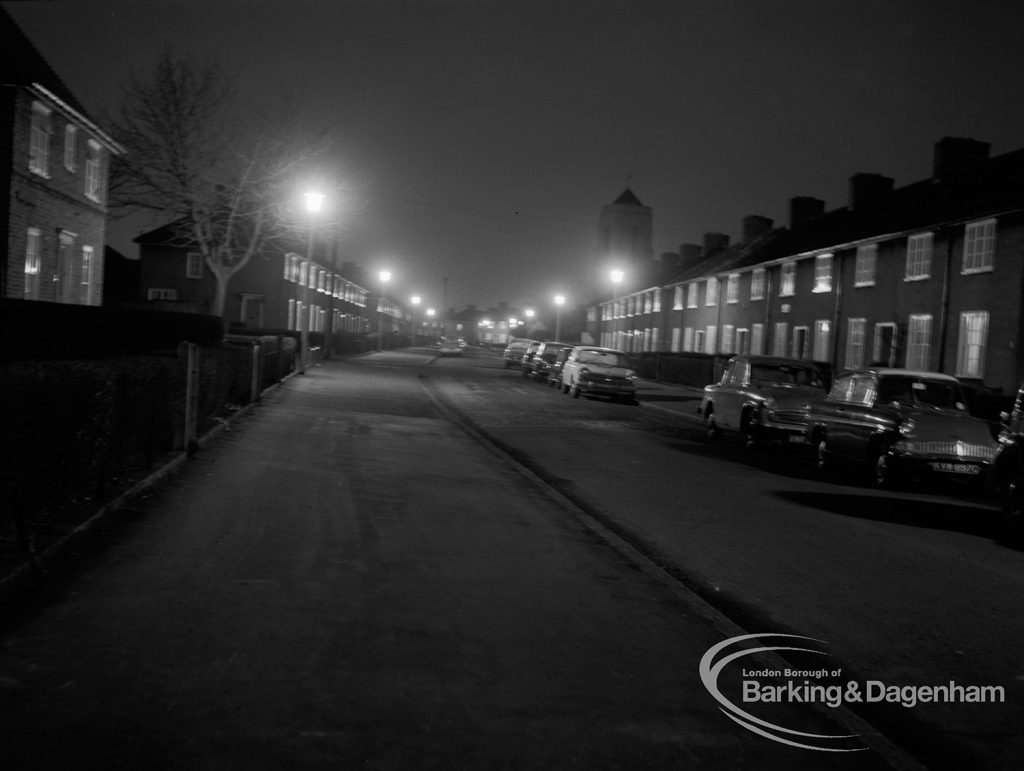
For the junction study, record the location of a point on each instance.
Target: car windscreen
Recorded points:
(942, 394)
(786, 373)
(603, 358)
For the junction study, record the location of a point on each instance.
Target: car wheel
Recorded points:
(1011, 498)
(880, 468)
(711, 429)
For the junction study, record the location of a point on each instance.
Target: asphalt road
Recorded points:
(354, 576)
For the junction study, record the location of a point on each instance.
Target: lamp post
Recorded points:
(314, 202)
(430, 314)
(616, 277)
(415, 300)
(385, 276)
(559, 302)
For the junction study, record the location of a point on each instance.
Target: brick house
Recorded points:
(276, 289)
(54, 163)
(927, 276)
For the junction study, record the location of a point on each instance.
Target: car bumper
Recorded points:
(606, 389)
(790, 429)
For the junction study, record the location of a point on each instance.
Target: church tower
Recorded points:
(624, 233)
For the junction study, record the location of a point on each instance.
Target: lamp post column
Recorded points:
(559, 302)
(384, 277)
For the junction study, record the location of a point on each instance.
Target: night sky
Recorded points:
(480, 139)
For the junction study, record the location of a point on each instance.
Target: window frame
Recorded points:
(865, 263)
(822, 274)
(787, 279)
(919, 260)
(982, 257)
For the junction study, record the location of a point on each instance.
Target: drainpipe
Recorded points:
(837, 314)
(944, 313)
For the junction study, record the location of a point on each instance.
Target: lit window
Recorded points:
(677, 298)
(919, 341)
(757, 339)
(781, 339)
(822, 338)
(919, 257)
(855, 342)
(787, 280)
(32, 264)
(70, 146)
(39, 141)
(711, 339)
(979, 246)
(675, 340)
(688, 339)
(728, 338)
(732, 288)
(92, 171)
(970, 360)
(757, 282)
(864, 265)
(711, 295)
(194, 265)
(823, 273)
(691, 295)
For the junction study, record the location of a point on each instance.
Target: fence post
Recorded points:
(257, 376)
(192, 399)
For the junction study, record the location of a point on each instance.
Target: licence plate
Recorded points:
(797, 439)
(955, 468)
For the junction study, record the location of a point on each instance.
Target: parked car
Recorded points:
(554, 376)
(526, 362)
(596, 371)
(763, 397)
(899, 423)
(514, 350)
(541, 361)
(450, 347)
(1009, 469)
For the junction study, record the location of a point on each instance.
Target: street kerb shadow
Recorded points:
(953, 516)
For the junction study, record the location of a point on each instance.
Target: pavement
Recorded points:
(409, 622)
(669, 400)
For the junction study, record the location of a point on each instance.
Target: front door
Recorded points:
(64, 277)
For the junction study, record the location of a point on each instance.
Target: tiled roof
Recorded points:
(629, 198)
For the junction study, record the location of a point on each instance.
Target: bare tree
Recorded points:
(226, 180)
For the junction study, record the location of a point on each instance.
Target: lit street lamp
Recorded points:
(559, 302)
(430, 315)
(415, 300)
(314, 203)
(385, 276)
(616, 276)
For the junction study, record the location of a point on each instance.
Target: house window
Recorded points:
(33, 264)
(194, 265)
(70, 146)
(919, 341)
(711, 295)
(674, 347)
(800, 338)
(303, 269)
(732, 288)
(743, 341)
(822, 335)
(787, 280)
(970, 360)
(823, 273)
(781, 338)
(979, 246)
(919, 257)
(691, 295)
(864, 265)
(757, 339)
(88, 266)
(677, 298)
(656, 301)
(711, 339)
(698, 341)
(855, 343)
(92, 171)
(728, 338)
(39, 141)
(688, 339)
(291, 314)
(757, 281)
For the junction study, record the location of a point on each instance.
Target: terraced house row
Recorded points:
(928, 276)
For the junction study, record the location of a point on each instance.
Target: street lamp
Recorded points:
(314, 203)
(415, 300)
(385, 277)
(616, 276)
(430, 315)
(559, 302)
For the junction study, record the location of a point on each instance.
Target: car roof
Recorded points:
(599, 348)
(895, 371)
(776, 360)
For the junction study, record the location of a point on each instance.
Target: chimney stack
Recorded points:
(868, 190)
(955, 157)
(803, 208)
(714, 242)
(755, 226)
